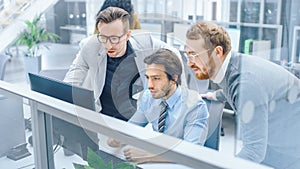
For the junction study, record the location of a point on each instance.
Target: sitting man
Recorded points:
(169, 107)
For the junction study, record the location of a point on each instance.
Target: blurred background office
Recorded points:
(265, 28)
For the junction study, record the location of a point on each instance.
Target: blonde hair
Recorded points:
(212, 34)
(111, 14)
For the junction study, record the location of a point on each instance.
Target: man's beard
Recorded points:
(202, 75)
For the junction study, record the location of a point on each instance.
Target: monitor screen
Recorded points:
(73, 135)
(63, 91)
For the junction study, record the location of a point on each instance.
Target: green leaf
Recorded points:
(109, 165)
(94, 160)
(125, 165)
(88, 167)
(78, 166)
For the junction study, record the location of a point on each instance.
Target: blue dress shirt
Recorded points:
(187, 115)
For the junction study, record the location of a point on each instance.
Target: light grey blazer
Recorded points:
(89, 67)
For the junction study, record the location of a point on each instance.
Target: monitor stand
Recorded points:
(18, 152)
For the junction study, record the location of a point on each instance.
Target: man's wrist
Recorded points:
(214, 95)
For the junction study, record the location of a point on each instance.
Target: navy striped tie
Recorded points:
(162, 116)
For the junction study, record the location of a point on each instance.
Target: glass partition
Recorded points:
(50, 116)
(16, 150)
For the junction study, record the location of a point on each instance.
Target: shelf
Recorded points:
(74, 28)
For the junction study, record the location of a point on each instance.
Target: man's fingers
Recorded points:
(113, 143)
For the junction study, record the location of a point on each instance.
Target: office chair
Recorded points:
(3, 62)
(57, 74)
(215, 109)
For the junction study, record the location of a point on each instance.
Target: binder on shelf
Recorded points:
(248, 46)
(260, 48)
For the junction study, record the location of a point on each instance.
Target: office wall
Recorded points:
(92, 7)
(192, 8)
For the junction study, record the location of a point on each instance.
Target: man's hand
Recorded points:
(114, 143)
(138, 156)
(209, 96)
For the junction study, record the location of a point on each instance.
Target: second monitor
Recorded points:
(76, 139)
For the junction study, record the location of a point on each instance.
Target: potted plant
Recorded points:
(33, 38)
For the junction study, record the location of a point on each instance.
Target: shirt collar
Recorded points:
(222, 71)
(174, 97)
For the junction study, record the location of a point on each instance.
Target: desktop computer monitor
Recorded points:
(74, 136)
(63, 91)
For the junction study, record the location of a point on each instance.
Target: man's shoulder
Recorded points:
(139, 35)
(191, 97)
(90, 47)
(141, 40)
(90, 42)
(188, 92)
(144, 39)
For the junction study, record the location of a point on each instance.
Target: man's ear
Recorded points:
(219, 53)
(128, 34)
(175, 78)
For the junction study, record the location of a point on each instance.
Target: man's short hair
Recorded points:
(213, 35)
(169, 60)
(111, 14)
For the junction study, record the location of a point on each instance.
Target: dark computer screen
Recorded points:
(63, 91)
(73, 135)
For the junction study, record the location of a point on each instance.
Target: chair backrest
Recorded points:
(215, 109)
(58, 74)
(3, 62)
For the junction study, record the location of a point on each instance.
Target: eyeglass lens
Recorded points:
(112, 39)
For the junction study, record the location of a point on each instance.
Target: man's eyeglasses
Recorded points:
(112, 39)
(192, 56)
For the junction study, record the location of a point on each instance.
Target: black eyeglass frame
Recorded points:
(103, 38)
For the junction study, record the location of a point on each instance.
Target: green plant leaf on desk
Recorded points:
(96, 162)
(80, 166)
(126, 165)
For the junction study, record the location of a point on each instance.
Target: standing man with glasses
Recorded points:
(110, 63)
(170, 108)
(265, 96)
